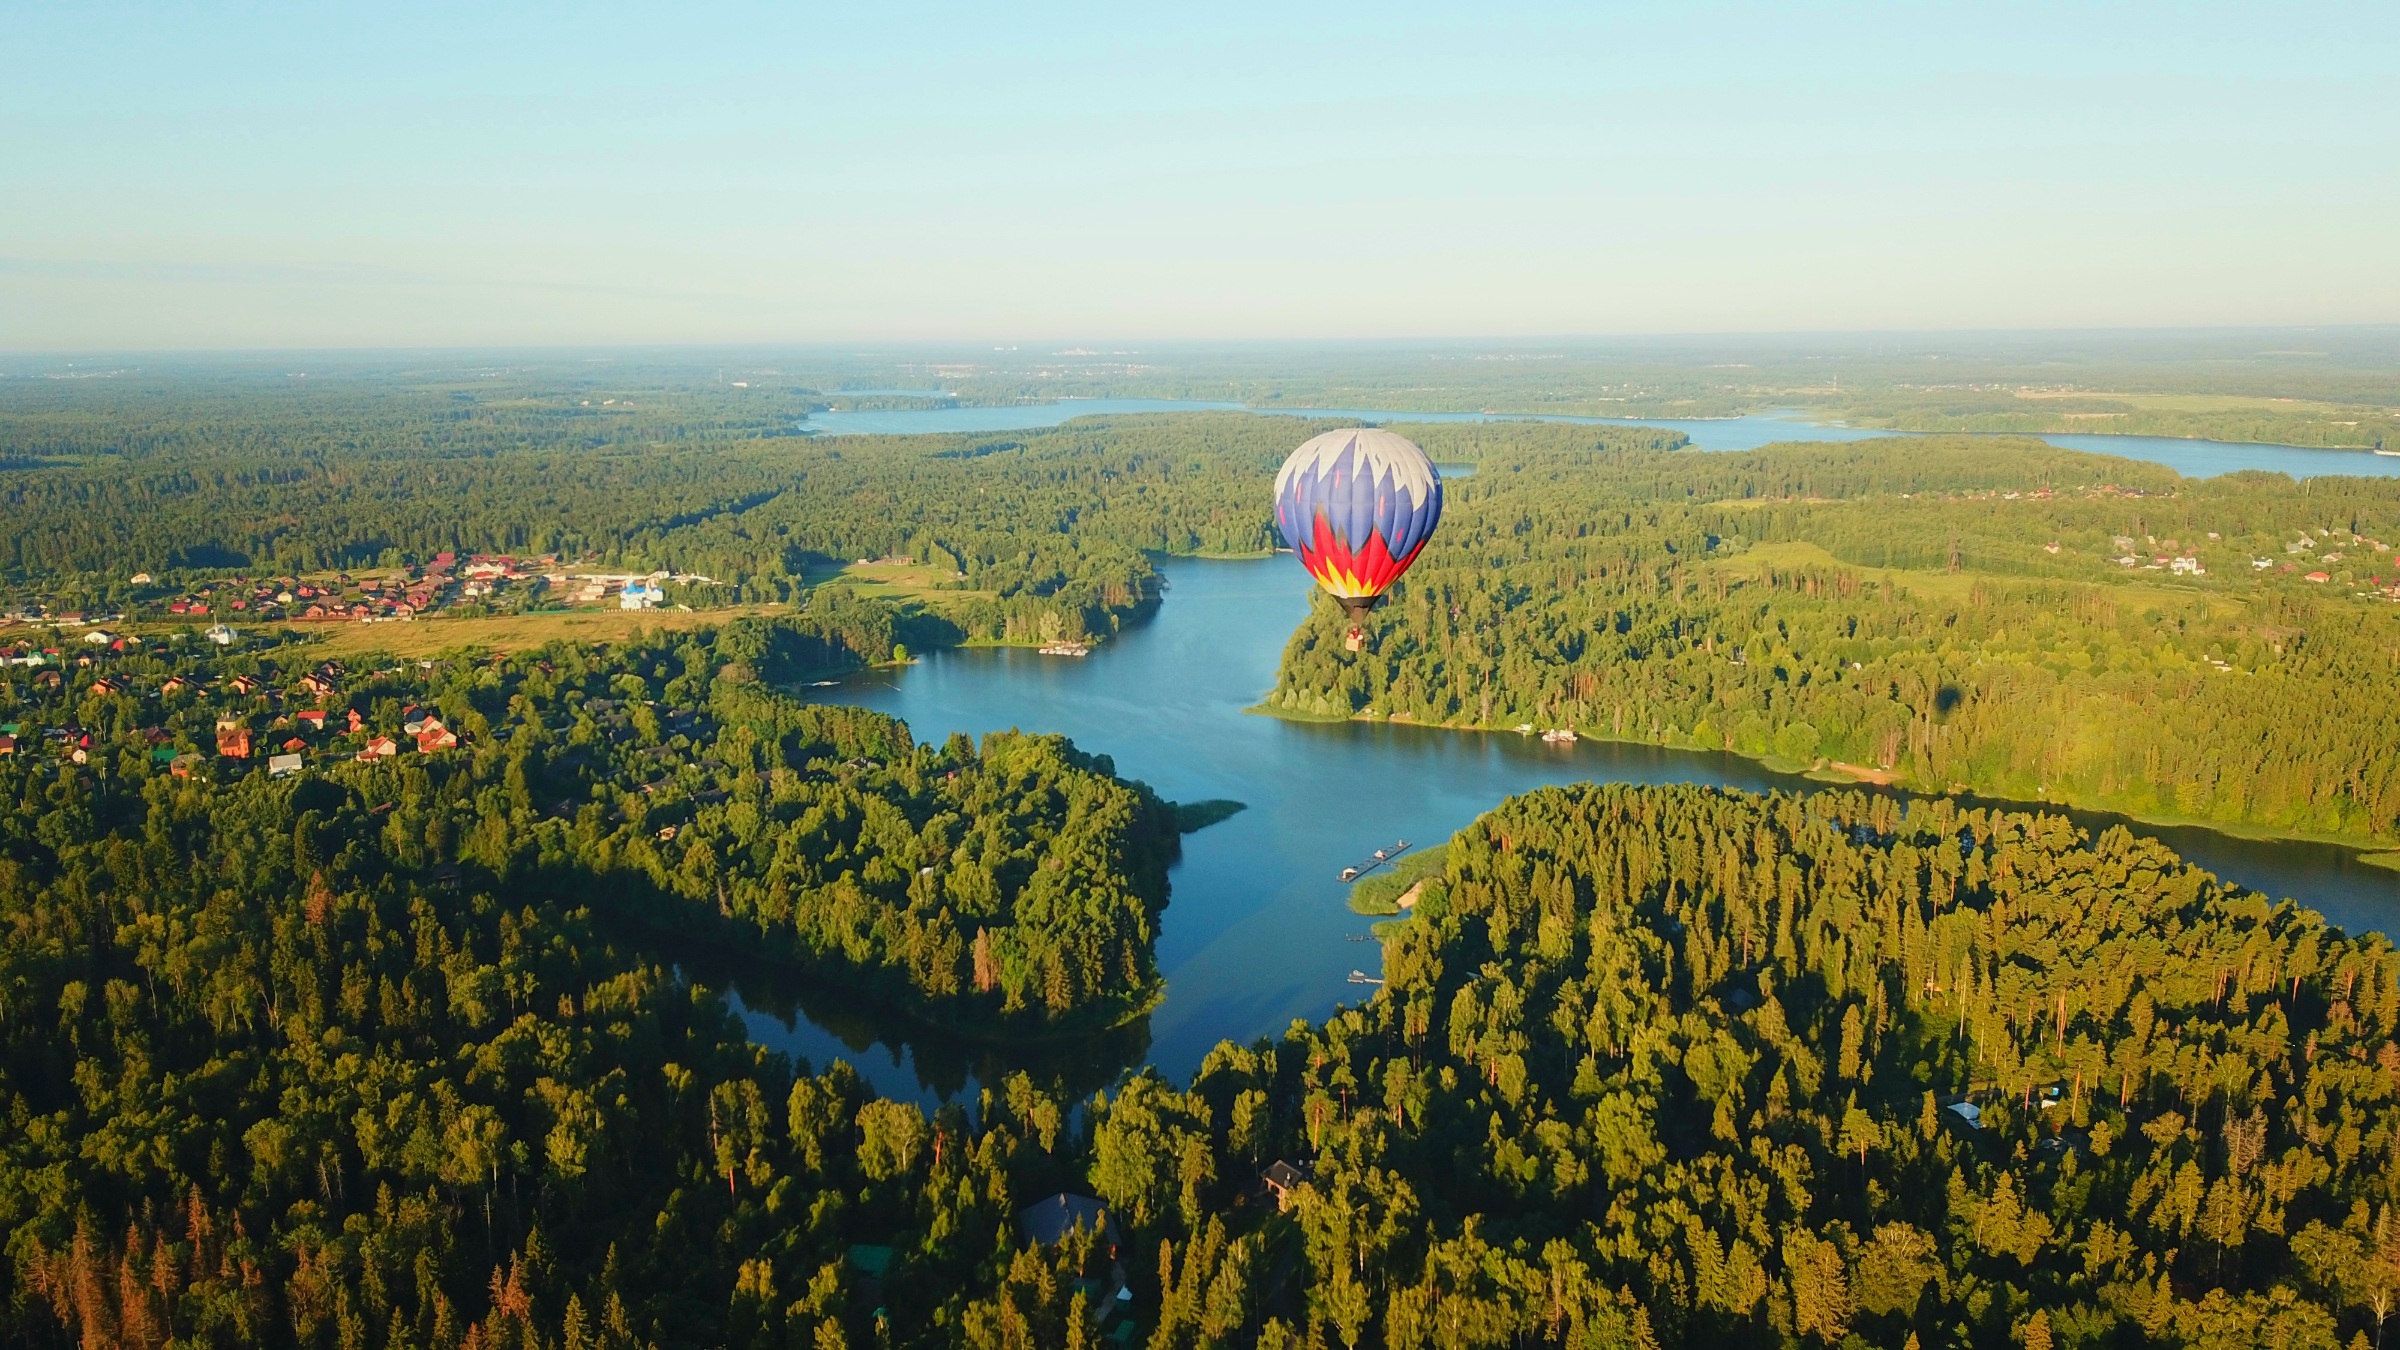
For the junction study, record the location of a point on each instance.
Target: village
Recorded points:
(481, 583)
(268, 718)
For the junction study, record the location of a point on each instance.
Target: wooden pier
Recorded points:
(1382, 857)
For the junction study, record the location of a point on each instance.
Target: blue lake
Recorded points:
(1257, 932)
(2191, 458)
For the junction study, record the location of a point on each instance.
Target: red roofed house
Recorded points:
(233, 738)
(381, 747)
(434, 736)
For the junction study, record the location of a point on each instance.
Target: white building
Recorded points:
(641, 595)
(221, 635)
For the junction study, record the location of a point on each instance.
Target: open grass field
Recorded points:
(512, 632)
(898, 581)
(1957, 585)
(2191, 403)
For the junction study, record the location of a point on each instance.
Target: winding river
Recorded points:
(1257, 932)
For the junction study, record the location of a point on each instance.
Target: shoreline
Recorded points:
(2364, 847)
(981, 1031)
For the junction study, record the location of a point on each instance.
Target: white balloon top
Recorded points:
(1378, 454)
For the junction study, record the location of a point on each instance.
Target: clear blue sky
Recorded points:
(244, 175)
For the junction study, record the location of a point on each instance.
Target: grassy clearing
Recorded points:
(513, 632)
(1751, 561)
(1960, 585)
(900, 582)
(2187, 403)
(1380, 892)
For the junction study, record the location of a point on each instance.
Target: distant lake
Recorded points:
(2191, 458)
(1256, 932)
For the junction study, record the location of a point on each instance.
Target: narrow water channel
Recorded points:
(1257, 932)
(2191, 458)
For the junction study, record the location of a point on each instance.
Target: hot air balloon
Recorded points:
(1357, 506)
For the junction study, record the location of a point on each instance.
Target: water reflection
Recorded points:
(818, 1023)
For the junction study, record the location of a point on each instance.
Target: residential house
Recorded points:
(1045, 1222)
(379, 747)
(313, 719)
(283, 766)
(1279, 1179)
(233, 738)
(434, 736)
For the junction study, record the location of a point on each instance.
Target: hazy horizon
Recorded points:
(258, 179)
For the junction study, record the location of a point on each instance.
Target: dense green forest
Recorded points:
(1681, 1065)
(2006, 616)
(1009, 887)
(1037, 538)
(1655, 1067)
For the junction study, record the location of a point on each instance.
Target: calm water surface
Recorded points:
(2192, 459)
(1257, 932)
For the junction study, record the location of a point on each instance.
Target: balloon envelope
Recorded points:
(1357, 506)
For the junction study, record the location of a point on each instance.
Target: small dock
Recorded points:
(1382, 857)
